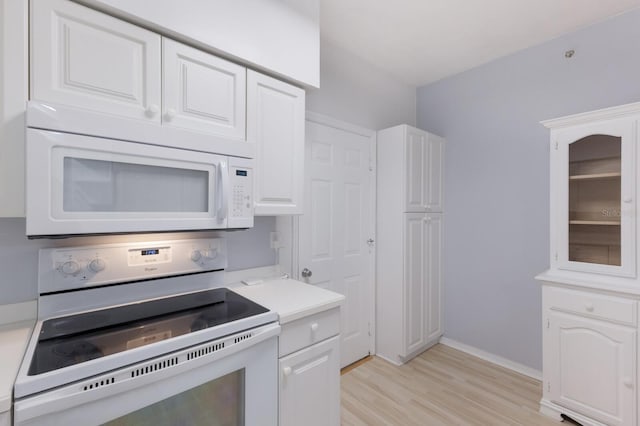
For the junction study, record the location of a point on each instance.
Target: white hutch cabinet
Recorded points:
(590, 293)
(409, 248)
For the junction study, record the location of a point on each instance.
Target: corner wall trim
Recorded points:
(495, 359)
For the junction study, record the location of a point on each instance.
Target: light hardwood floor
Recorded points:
(442, 386)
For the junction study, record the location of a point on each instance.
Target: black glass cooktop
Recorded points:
(77, 338)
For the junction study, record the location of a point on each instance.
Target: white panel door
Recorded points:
(202, 92)
(336, 227)
(275, 122)
(87, 59)
(310, 386)
(592, 368)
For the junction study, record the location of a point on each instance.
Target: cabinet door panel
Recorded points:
(275, 122)
(310, 385)
(416, 166)
(592, 367)
(435, 181)
(86, 59)
(433, 291)
(416, 260)
(202, 92)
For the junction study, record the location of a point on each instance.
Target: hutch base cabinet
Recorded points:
(590, 293)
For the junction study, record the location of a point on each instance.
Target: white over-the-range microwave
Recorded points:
(91, 173)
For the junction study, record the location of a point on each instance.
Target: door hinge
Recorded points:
(556, 145)
(556, 255)
(369, 328)
(548, 386)
(548, 323)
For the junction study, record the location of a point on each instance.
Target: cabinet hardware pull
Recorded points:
(286, 371)
(589, 307)
(628, 382)
(314, 326)
(152, 110)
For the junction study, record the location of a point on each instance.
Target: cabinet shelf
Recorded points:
(592, 176)
(595, 222)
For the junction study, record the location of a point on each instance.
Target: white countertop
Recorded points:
(16, 325)
(291, 299)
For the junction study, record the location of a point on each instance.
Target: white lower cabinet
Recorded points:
(310, 385)
(590, 348)
(310, 370)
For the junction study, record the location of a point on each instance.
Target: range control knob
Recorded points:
(69, 267)
(196, 255)
(97, 265)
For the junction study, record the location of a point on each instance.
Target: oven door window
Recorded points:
(219, 402)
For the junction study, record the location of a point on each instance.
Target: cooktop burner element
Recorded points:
(74, 339)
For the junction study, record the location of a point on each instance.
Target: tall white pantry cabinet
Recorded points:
(590, 293)
(409, 248)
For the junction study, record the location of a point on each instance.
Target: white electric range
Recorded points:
(144, 333)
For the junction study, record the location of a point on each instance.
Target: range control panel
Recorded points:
(80, 267)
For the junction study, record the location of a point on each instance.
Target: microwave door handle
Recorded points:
(223, 175)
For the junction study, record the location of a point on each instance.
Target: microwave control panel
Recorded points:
(241, 200)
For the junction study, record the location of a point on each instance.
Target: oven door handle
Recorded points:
(223, 178)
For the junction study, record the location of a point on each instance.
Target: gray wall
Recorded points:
(354, 91)
(19, 256)
(497, 167)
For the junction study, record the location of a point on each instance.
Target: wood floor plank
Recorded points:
(442, 386)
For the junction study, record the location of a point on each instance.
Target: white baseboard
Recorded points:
(495, 359)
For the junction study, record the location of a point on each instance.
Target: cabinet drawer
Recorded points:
(309, 330)
(593, 305)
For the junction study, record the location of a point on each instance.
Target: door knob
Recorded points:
(306, 273)
(370, 241)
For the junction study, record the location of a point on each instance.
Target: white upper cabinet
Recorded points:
(275, 123)
(280, 36)
(593, 197)
(202, 92)
(90, 60)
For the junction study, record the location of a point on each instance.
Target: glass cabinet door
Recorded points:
(597, 210)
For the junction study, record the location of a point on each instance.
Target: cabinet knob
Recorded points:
(314, 327)
(152, 110)
(628, 382)
(627, 200)
(306, 273)
(589, 307)
(286, 371)
(170, 114)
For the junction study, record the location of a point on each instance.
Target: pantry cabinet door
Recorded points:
(435, 174)
(275, 123)
(415, 279)
(86, 59)
(202, 92)
(590, 367)
(416, 157)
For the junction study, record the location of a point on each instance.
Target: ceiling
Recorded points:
(422, 41)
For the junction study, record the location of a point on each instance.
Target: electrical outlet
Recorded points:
(274, 238)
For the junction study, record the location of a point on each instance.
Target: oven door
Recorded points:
(86, 185)
(230, 381)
